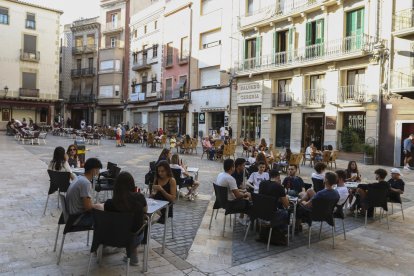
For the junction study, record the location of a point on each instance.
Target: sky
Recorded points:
(73, 9)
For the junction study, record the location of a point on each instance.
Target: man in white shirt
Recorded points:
(223, 133)
(238, 200)
(341, 188)
(257, 177)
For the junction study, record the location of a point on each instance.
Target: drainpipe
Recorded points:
(190, 50)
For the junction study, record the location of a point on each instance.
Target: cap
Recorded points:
(397, 171)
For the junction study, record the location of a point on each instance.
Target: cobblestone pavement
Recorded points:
(26, 240)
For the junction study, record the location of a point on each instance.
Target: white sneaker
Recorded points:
(406, 168)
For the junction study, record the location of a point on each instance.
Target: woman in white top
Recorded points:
(193, 184)
(60, 163)
(320, 171)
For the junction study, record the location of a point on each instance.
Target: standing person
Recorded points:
(118, 134)
(407, 151)
(126, 200)
(222, 133)
(68, 123)
(79, 194)
(164, 187)
(123, 132)
(230, 132)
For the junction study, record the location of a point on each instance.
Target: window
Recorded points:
(249, 7)
(210, 76)
(113, 42)
(168, 89)
(182, 86)
(314, 32)
(29, 80)
(356, 77)
(355, 29)
(90, 40)
(116, 87)
(60, 65)
(251, 48)
(106, 91)
(29, 44)
(185, 51)
(169, 54)
(4, 16)
(78, 64)
(283, 92)
(108, 65)
(90, 62)
(208, 6)
(210, 39)
(154, 85)
(144, 84)
(78, 41)
(30, 21)
(155, 51)
(114, 20)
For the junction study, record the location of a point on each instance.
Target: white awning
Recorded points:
(173, 107)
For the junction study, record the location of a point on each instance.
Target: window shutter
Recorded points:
(29, 44)
(308, 33)
(320, 31)
(276, 48)
(30, 17)
(258, 46)
(291, 37)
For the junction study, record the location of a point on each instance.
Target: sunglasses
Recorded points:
(72, 149)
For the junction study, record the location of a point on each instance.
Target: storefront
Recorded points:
(249, 101)
(174, 119)
(146, 119)
(313, 130)
(283, 128)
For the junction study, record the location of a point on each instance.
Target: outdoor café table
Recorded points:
(81, 171)
(294, 201)
(194, 171)
(351, 185)
(153, 207)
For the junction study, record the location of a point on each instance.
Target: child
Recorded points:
(257, 177)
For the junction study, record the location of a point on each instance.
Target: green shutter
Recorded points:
(360, 21)
(245, 47)
(276, 48)
(320, 31)
(308, 33)
(258, 51)
(291, 43)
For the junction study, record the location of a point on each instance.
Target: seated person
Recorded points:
(292, 183)
(396, 185)
(126, 200)
(341, 188)
(286, 156)
(238, 200)
(252, 159)
(319, 171)
(73, 159)
(261, 157)
(263, 145)
(164, 187)
(60, 163)
(363, 189)
(245, 144)
(187, 179)
(239, 172)
(352, 173)
(165, 156)
(304, 207)
(173, 142)
(257, 177)
(79, 194)
(274, 188)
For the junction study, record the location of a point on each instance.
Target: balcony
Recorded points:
(284, 9)
(85, 49)
(145, 97)
(29, 93)
(89, 72)
(175, 94)
(183, 59)
(32, 57)
(82, 98)
(404, 23)
(281, 99)
(76, 73)
(402, 80)
(345, 48)
(314, 97)
(113, 27)
(141, 64)
(352, 94)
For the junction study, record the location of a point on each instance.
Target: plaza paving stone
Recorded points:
(26, 240)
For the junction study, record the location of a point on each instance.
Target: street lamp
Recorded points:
(6, 89)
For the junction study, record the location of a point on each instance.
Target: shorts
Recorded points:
(407, 154)
(188, 181)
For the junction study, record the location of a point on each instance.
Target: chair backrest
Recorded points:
(153, 166)
(317, 184)
(177, 175)
(334, 155)
(115, 172)
(377, 197)
(295, 159)
(111, 229)
(194, 143)
(264, 207)
(226, 150)
(221, 196)
(218, 143)
(58, 181)
(36, 134)
(322, 210)
(326, 155)
(110, 166)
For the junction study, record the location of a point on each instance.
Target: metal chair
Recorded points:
(395, 198)
(376, 197)
(59, 181)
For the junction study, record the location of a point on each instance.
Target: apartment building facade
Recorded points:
(211, 60)
(176, 52)
(397, 115)
(78, 73)
(308, 69)
(113, 62)
(146, 66)
(29, 62)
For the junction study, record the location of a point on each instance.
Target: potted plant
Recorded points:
(369, 151)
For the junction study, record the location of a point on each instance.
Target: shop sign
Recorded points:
(250, 92)
(202, 118)
(330, 122)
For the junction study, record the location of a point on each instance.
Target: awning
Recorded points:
(173, 107)
(213, 109)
